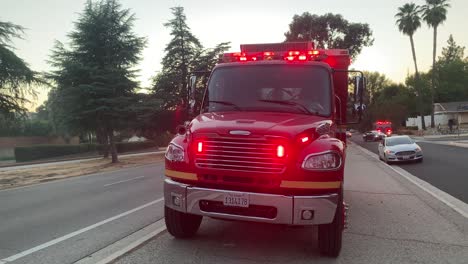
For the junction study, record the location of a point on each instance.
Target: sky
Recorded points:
(240, 21)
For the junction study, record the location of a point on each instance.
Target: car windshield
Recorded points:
(276, 88)
(399, 141)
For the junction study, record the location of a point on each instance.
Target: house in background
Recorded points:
(454, 112)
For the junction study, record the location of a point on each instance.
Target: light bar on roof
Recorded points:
(272, 47)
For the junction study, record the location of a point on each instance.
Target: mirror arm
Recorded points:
(339, 109)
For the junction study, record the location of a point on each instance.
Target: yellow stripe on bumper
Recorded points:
(181, 175)
(310, 185)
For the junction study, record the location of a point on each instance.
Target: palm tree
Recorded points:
(408, 21)
(434, 13)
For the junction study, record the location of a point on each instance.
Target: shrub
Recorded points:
(163, 139)
(123, 147)
(49, 151)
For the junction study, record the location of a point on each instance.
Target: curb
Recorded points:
(447, 199)
(445, 143)
(125, 245)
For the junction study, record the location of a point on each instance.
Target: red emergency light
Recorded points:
(200, 147)
(295, 51)
(280, 151)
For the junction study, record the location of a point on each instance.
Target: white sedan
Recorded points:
(399, 148)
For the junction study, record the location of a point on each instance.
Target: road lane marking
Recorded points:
(70, 235)
(136, 178)
(452, 202)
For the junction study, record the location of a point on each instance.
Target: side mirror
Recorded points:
(356, 98)
(192, 86)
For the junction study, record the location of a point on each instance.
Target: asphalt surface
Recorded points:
(445, 167)
(35, 215)
(390, 222)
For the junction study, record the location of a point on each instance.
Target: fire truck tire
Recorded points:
(181, 225)
(330, 235)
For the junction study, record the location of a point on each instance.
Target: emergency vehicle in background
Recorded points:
(268, 145)
(384, 127)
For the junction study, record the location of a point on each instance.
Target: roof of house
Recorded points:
(451, 107)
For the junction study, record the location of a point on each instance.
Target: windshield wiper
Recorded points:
(226, 103)
(296, 104)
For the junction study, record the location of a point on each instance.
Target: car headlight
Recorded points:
(389, 151)
(174, 153)
(322, 161)
(418, 149)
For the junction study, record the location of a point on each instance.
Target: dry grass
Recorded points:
(10, 179)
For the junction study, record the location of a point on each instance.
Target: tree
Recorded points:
(375, 82)
(434, 14)
(95, 87)
(451, 74)
(171, 83)
(330, 31)
(408, 21)
(17, 80)
(452, 52)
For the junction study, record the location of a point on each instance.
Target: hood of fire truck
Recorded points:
(257, 123)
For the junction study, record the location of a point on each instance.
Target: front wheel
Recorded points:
(181, 225)
(330, 235)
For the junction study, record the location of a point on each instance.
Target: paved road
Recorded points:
(70, 219)
(445, 167)
(35, 215)
(389, 223)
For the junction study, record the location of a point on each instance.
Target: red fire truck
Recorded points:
(268, 144)
(384, 127)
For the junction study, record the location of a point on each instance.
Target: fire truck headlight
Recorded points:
(174, 153)
(329, 160)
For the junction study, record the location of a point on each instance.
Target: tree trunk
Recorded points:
(113, 149)
(103, 140)
(417, 85)
(434, 49)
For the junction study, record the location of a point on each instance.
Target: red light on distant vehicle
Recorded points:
(280, 151)
(200, 147)
(378, 130)
(314, 52)
(290, 58)
(254, 58)
(243, 58)
(268, 53)
(304, 139)
(302, 57)
(293, 53)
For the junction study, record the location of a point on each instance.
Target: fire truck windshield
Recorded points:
(273, 88)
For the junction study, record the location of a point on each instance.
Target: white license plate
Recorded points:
(236, 199)
(406, 157)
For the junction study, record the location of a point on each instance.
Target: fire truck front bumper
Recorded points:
(248, 206)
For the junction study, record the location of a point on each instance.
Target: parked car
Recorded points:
(373, 135)
(399, 148)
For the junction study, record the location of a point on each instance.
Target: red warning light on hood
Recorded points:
(280, 151)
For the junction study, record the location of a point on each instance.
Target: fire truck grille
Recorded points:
(241, 154)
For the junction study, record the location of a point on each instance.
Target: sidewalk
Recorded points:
(391, 220)
(440, 136)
